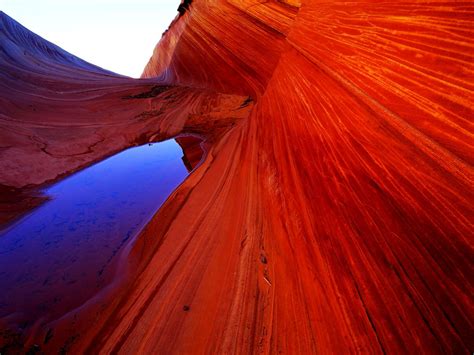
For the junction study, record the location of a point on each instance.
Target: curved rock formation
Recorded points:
(334, 215)
(59, 113)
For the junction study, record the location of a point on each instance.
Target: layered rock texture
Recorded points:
(333, 212)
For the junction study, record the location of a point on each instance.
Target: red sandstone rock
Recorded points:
(192, 150)
(59, 113)
(336, 218)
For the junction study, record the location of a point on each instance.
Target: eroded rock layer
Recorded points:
(59, 113)
(336, 217)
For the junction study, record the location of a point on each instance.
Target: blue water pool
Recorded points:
(60, 254)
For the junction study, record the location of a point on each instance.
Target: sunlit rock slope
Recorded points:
(333, 217)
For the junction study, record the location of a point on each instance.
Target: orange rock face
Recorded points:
(333, 212)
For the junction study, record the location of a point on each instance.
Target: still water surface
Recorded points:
(59, 255)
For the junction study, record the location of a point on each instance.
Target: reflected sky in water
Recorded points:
(58, 256)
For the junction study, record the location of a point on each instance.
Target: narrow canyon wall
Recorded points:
(354, 179)
(334, 215)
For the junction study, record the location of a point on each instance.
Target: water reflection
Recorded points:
(60, 255)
